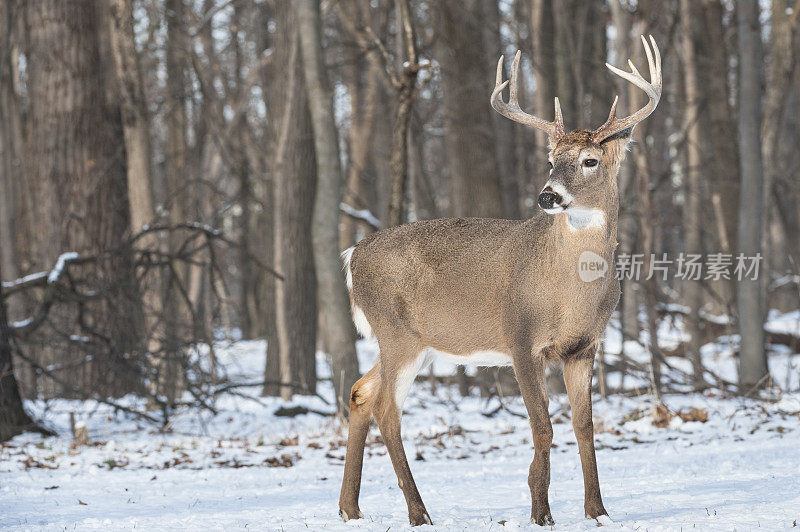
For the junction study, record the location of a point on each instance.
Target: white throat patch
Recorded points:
(580, 218)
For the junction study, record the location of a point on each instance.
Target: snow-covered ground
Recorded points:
(246, 468)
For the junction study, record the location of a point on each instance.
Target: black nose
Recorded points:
(548, 199)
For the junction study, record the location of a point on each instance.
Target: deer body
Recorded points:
(494, 292)
(461, 286)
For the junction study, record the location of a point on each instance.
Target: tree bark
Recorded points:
(629, 302)
(294, 175)
(339, 331)
(13, 418)
(470, 138)
(544, 71)
(406, 91)
(175, 167)
(363, 86)
(693, 290)
(76, 164)
(505, 129)
(10, 137)
(752, 358)
(241, 167)
(136, 131)
(712, 67)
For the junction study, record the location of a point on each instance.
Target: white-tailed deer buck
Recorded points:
(498, 292)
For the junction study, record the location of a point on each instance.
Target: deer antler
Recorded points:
(512, 110)
(652, 88)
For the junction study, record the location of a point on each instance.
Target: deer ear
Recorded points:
(625, 134)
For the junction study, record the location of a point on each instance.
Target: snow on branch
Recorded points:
(33, 279)
(62, 261)
(39, 278)
(361, 214)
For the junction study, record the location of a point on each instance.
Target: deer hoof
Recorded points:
(419, 519)
(595, 511)
(351, 515)
(544, 520)
(604, 520)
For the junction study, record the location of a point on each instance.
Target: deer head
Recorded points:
(584, 164)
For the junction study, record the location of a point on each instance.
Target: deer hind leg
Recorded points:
(578, 378)
(397, 376)
(363, 396)
(530, 373)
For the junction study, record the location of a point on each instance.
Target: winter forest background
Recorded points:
(177, 179)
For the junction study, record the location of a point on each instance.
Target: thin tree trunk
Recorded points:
(363, 88)
(629, 308)
(783, 65)
(713, 74)
(543, 59)
(136, 131)
(752, 356)
(10, 137)
(505, 130)
(166, 383)
(693, 294)
(294, 175)
(402, 116)
(339, 331)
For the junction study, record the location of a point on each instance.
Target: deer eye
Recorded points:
(590, 162)
(550, 164)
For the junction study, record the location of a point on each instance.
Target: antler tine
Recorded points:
(648, 53)
(499, 77)
(559, 119)
(512, 97)
(652, 88)
(512, 109)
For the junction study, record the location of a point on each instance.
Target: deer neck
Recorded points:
(574, 232)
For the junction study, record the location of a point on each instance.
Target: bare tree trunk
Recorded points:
(363, 86)
(166, 382)
(243, 173)
(752, 356)
(713, 74)
(406, 84)
(135, 121)
(294, 175)
(77, 170)
(543, 58)
(136, 131)
(470, 139)
(339, 331)
(693, 290)
(629, 307)
(13, 418)
(505, 130)
(399, 160)
(783, 65)
(10, 137)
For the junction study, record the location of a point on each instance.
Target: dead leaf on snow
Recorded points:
(289, 442)
(694, 414)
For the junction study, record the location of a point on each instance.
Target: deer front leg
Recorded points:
(578, 379)
(529, 370)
